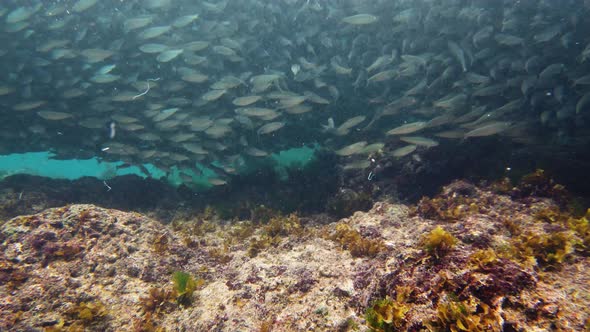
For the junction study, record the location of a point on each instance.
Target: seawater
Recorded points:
(43, 164)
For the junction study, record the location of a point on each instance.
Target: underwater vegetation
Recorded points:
(438, 242)
(194, 226)
(184, 285)
(445, 208)
(387, 315)
(81, 317)
(469, 315)
(476, 280)
(540, 184)
(157, 299)
(510, 263)
(581, 226)
(569, 221)
(358, 246)
(547, 251)
(272, 233)
(160, 243)
(162, 300)
(483, 259)
(284, 226)
(89, 311)
(262, 243)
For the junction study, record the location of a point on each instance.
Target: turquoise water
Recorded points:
(42, 164)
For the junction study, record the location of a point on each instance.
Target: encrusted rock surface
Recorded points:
(84, 267)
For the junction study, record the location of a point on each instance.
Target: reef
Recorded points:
(27, 194)
(499, 257)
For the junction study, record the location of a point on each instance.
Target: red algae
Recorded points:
(472, 258)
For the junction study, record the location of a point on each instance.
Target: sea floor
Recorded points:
(473, 258)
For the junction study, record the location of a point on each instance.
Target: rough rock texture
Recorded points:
(84, 267)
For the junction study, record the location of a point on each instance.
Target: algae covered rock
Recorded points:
(500, 263)
(347, 201)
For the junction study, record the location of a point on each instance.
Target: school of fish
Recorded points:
(179, 83)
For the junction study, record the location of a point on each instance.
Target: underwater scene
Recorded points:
(295, 165)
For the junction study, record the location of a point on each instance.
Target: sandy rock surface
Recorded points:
(82, 267)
